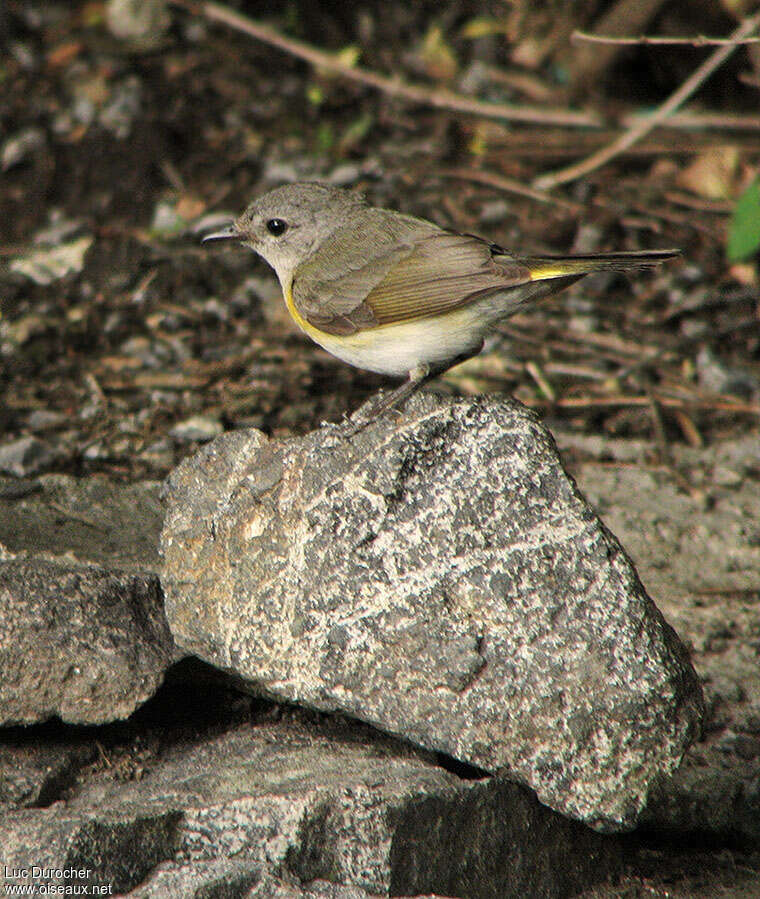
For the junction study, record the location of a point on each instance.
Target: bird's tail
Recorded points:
(544, 268)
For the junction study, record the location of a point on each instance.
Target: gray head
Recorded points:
(287, 224)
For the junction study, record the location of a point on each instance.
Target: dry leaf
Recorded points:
(45, 266)
(437, 56)
(713, 174)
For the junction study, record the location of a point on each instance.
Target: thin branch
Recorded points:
(394, 87)
(704, 121)
(601, 402)
(509, 185)
(699, 40)
(635, 133)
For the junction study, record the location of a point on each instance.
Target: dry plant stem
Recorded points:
(634, 134)
(395, 87)
(590, 62)
(714, 121)
(601, 402)
(698, 41)
(658, 426)
(664, 448)
(509, 185)
(446, 99)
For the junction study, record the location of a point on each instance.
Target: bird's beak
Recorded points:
(228, 233)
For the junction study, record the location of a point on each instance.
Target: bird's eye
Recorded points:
(277, 227)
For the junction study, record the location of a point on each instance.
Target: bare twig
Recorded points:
(509, 185)
(699, 40)
(534, 370)
(590, 61)
(601, 402)
(688, 429)
(714, 121)
(636, 132)
(395, 87)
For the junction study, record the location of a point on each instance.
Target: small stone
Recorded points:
(495, 212)
(717, 377)
(123, 107)
(94, 451)
(166, 220)
(159, 454)
(197, 427)
(142, 24)
(723, 476)
(45, 420)
(49, 265)
(25, 456)
(23, 329)
(345, 175)
(20, 145)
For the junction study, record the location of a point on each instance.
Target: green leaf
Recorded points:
(744, 230)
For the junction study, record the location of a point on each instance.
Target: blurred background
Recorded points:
(128, 129)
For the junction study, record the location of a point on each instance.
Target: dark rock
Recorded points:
(34, 772)
(702, 799)
(91, 519)
(82, 642)
(439, 576)
(285, 801)
(218, 879)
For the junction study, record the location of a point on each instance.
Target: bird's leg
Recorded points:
(417, 377)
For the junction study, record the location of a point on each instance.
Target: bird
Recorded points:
(397, 294)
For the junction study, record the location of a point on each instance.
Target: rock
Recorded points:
(701, 564)
(279, 800)
(34, 770)
(82, 642)
(700, 798)
(273, 888)
(223, 878)
(439, 576)
(25, 456)
(83, 519)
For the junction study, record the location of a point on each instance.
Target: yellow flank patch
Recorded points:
(304, 325)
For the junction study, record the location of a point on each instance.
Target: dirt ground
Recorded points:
(124, 343)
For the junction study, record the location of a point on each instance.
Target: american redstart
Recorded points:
(393, 293)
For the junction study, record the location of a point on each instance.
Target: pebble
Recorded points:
(723, 476)
(494, 212)
(45, 420)
(717, 377)
(197, 427)
(159, 455)
(25, 456)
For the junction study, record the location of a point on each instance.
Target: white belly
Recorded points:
(397, 349)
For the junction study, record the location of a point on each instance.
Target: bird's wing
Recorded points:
(406, 269)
